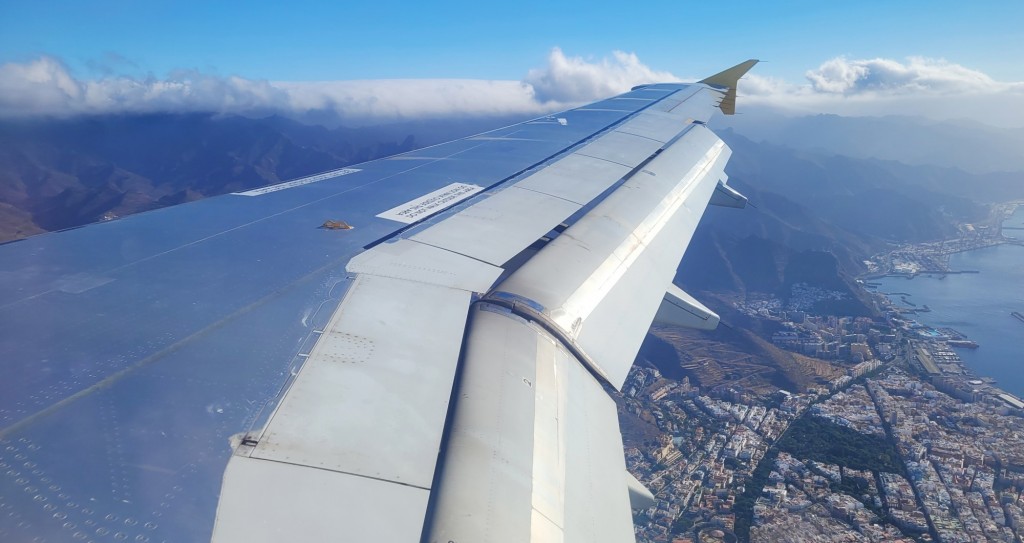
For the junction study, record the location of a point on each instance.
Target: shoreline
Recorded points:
(905, 306)
(932, 257)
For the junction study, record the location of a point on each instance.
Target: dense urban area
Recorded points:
(897, 440)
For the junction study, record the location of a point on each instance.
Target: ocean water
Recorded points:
(979, 306)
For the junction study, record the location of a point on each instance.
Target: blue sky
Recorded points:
(499, 40)
(934, 58)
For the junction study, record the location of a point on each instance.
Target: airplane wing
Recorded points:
(413, 348)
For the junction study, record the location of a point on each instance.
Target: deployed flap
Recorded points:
(365, 414)
(534, 451)
(639, 496)
(681, 309)
(726, 196)
(728, 80)
(599, 285)
(277, 501)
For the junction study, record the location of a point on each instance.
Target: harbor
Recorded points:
(967, 311)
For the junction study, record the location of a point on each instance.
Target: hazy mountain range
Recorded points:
(818, 212)
(965, 144)
(809, 201)
(816, 205)
(57, 174)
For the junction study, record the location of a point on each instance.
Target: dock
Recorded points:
(925, 359)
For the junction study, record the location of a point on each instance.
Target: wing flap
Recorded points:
(600, 284)
(390, 350)
(534, 451)
(726, 196)
(369, 404)
(270, 502)
(680, 309)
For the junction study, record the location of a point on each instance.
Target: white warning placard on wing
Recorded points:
(428, 204)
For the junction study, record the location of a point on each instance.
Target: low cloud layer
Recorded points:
(920, 86)
(46, 86)
(916, 75)
(933, 88)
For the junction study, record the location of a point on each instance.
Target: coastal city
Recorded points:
(933, 257)
(898, 441)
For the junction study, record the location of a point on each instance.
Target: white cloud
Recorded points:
(39, 86)
(930, 87)
(45, 86)
(573, 79)
(412, 98)
(933, 88)
(917, 75)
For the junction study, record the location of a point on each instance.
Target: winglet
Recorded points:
(728, 80)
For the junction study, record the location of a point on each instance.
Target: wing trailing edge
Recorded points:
(680, 309)
(726, 196)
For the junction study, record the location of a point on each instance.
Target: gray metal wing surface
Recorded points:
(228, 369)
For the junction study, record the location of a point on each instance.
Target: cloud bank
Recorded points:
(934, 88)
(45, 86)
(918, 74)
(917, 85)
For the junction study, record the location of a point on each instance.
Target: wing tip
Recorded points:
(727, 80)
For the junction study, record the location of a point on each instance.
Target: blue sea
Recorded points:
(979, 306)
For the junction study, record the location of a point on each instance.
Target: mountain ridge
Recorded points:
(965, 144)
(810, 206)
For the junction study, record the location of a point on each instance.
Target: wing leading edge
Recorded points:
(458, 393)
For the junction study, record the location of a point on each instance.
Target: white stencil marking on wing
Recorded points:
(428, 204)
(297, 182)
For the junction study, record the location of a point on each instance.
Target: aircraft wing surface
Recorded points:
(248, 368)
